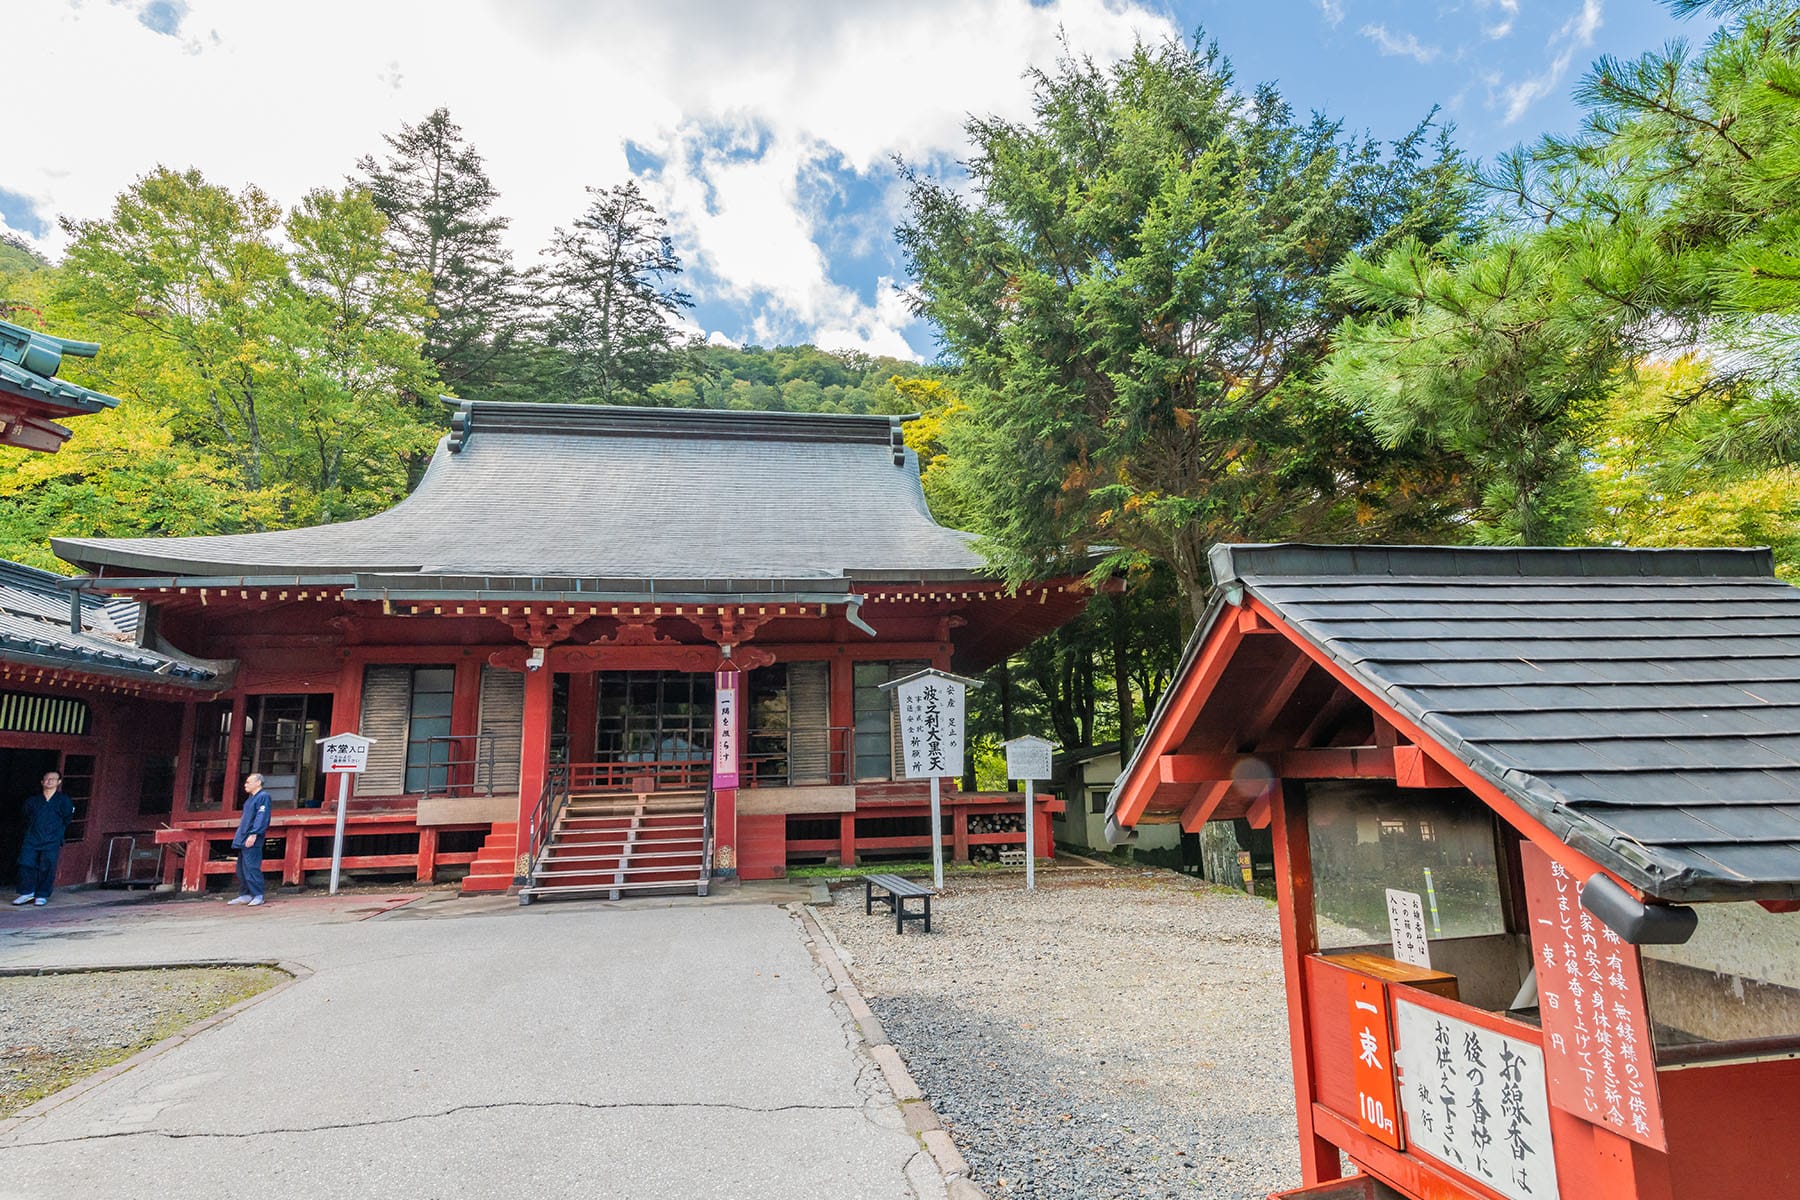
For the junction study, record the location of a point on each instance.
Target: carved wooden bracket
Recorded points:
(540, 630)
(637, 631)
(731, 626)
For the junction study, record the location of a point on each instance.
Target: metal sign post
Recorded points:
(1029, 758)
(345, 754)
(932, 710)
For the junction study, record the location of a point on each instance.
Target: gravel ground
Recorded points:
(1117, 1034)
(55, 1029)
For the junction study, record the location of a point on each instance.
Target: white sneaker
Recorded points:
(255, 901)
(239, 900)
(27, 898)
(41, 901)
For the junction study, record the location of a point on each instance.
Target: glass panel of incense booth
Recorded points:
(1378, 851)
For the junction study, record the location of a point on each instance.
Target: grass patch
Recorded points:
(58, 1029)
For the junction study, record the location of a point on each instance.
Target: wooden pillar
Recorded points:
(840, 697)
(847, 839)
(184, 764)
(1319, 1160)
(193, 867)
(293, 862)
(959, 831)
(584, 712)
(428, 844)
(534, 757)
(346, 708)
(1046, 840)
(465, 719)
(725, 799)
(233, 787)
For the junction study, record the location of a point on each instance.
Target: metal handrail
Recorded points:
(544, 817)
(706, 842)
(481, 762)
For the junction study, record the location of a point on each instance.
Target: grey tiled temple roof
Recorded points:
(1644, 705)
(34, 629)
(591, 498)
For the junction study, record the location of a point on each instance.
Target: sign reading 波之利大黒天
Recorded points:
(932, 719)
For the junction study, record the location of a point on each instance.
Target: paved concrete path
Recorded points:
(450, 1048)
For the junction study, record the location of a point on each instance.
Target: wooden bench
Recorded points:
(899, 891)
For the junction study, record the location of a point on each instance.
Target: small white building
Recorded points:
(1085, 776)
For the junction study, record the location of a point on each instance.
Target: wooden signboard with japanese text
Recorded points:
(1377, 1102)
(725, 730)
(1474, 1100)
(1597, 1047)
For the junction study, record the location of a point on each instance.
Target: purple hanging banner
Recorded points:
(725, 729)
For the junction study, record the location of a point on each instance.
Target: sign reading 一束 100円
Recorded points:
(1377, 1110)
(1475, 1100)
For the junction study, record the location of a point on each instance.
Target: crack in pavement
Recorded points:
(374, 1122)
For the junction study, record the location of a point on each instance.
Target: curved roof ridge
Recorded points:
(489, 417)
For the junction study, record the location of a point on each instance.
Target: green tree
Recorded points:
(1688, 160)
(186, 286)
(613, 299)
(123, 473)
(367, 396)
(1134, 294)
(439, 202)
(1492, 354)
(295, 365)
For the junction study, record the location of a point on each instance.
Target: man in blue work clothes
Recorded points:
(249, 842)
(47, 817)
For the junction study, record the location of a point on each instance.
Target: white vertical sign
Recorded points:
(1476, 1101)
(931, 724)
(1029, 758)
(344, 755)
(725, 730)
(932, 717)
(1406, 924)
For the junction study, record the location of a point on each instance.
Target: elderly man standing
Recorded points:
(47, 817)
(249, 842)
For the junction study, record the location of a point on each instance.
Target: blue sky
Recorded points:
(764, 129)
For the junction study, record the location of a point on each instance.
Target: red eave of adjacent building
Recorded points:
(1255, 701)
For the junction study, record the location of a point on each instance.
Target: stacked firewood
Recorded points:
(994, 823)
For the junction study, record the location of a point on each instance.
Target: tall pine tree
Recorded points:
(439, 202)
(613, 298)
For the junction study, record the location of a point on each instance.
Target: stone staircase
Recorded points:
(492, 870)
(611, 845)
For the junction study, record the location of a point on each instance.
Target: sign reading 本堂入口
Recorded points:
(931, 725)
(1475, 1100)
(344, 754)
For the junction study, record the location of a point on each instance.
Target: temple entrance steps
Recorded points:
(612, 844)
(492, 870)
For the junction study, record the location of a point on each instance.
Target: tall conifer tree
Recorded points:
(439, 202)
(613, 298)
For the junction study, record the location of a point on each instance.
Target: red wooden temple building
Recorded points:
(80, 693)
(546, 637)
(1536, 817)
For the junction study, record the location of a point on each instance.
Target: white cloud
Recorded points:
(1333, 10)
(1401, 44)
(551, 92)
(1574, 37)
